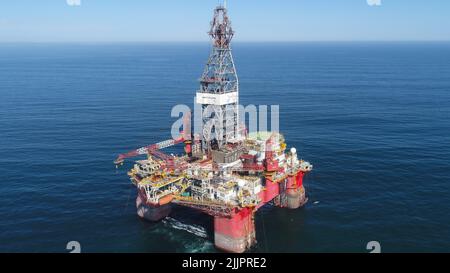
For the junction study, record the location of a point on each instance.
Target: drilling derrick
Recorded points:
(219, 87)
(224, 173)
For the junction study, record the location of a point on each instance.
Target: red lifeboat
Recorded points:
(166, 200)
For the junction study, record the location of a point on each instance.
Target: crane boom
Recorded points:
(154, 148)
(151, 149)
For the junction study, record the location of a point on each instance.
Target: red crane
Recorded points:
(154, 149)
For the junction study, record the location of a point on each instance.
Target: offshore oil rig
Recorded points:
(225, 171)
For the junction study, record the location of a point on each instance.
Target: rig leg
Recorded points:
(235, 234)
(296, 198)
(149, 213)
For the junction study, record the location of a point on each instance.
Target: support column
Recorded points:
(235, 234)
(151, 213)
(295, 192)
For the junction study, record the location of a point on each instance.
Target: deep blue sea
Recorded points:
(373, 118)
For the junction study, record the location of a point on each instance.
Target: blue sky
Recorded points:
(253, 20)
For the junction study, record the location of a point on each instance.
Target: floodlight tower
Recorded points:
(219, 86)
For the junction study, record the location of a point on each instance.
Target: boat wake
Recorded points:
(193, 229)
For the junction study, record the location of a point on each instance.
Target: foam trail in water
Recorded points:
(193, 229)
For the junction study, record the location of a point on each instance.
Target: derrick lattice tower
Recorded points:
(219, 86)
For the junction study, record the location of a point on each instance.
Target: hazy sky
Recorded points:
(253, 20)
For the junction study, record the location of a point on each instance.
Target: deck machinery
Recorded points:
(225, 172)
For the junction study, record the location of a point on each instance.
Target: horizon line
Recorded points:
(235, 42)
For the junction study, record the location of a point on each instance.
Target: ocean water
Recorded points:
(373, 118)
